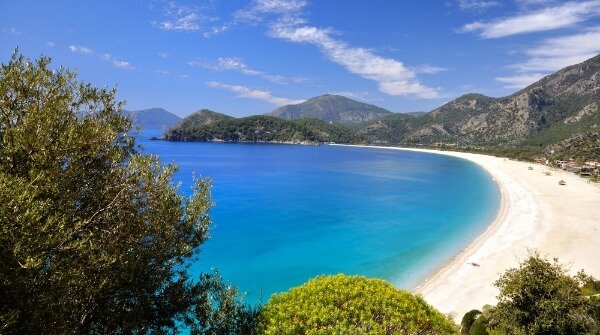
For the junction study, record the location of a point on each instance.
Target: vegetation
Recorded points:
(94, 238)
(350, 305)
(259, 128)
(539, 297)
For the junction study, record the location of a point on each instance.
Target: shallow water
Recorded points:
(285, 214)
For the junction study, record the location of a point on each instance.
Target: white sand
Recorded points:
(536, 213)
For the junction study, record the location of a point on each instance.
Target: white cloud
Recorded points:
(184, 18)
(556, 53)
(520, 81)
(238, 65)
(258, 9)
(285, 21)
(14, 31)
(428, 69)
(391, 75)
(552, 55)
(163, 55)
(477, 5)
(245, 92)
(531, 3)
(119, 64)
(81, 49)
(50, 44)
(549, 18)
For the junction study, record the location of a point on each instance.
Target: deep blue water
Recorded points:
(285, 214)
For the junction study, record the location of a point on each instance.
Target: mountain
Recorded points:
(558, 116)
(331, 108)
(559, 107)
(208, 126)
(201, 118)
(156, 118)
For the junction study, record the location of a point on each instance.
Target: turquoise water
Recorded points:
(285, 214)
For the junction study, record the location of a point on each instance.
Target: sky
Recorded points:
(248, 57)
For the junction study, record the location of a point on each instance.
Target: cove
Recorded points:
(287, 213)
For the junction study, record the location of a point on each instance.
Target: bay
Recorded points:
(286, 213)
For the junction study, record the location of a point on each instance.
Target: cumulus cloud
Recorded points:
(543, 19)
(245, 92)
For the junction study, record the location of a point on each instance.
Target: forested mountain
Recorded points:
(210, 126)
(331, 107)
(156, 118)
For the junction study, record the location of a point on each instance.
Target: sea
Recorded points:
(284, 214)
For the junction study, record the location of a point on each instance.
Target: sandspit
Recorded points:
(560, 221)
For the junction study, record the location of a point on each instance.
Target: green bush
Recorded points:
(351, 305)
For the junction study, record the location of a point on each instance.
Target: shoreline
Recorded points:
(535, 213)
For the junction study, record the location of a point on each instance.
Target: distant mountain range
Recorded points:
(557, 116)
(155, 118)
(331, 108)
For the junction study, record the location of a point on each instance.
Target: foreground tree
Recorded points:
(540, 298)
(94, 237)
(351, 305)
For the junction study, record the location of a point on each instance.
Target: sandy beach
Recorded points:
(536, 213)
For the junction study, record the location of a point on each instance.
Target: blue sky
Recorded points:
(245, 57)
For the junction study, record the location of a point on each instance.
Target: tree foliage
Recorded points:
(351, 305)
(539, 297)
(94, 237)
(210, 126)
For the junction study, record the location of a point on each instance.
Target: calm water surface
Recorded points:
(285, 214)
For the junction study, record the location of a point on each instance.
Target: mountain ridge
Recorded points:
(156, 118)
(331, 108)
(559, 113)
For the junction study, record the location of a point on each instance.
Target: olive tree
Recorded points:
(94, 236)
(539, 297)
(350, 305)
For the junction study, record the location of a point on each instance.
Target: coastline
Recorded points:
(535, 213)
